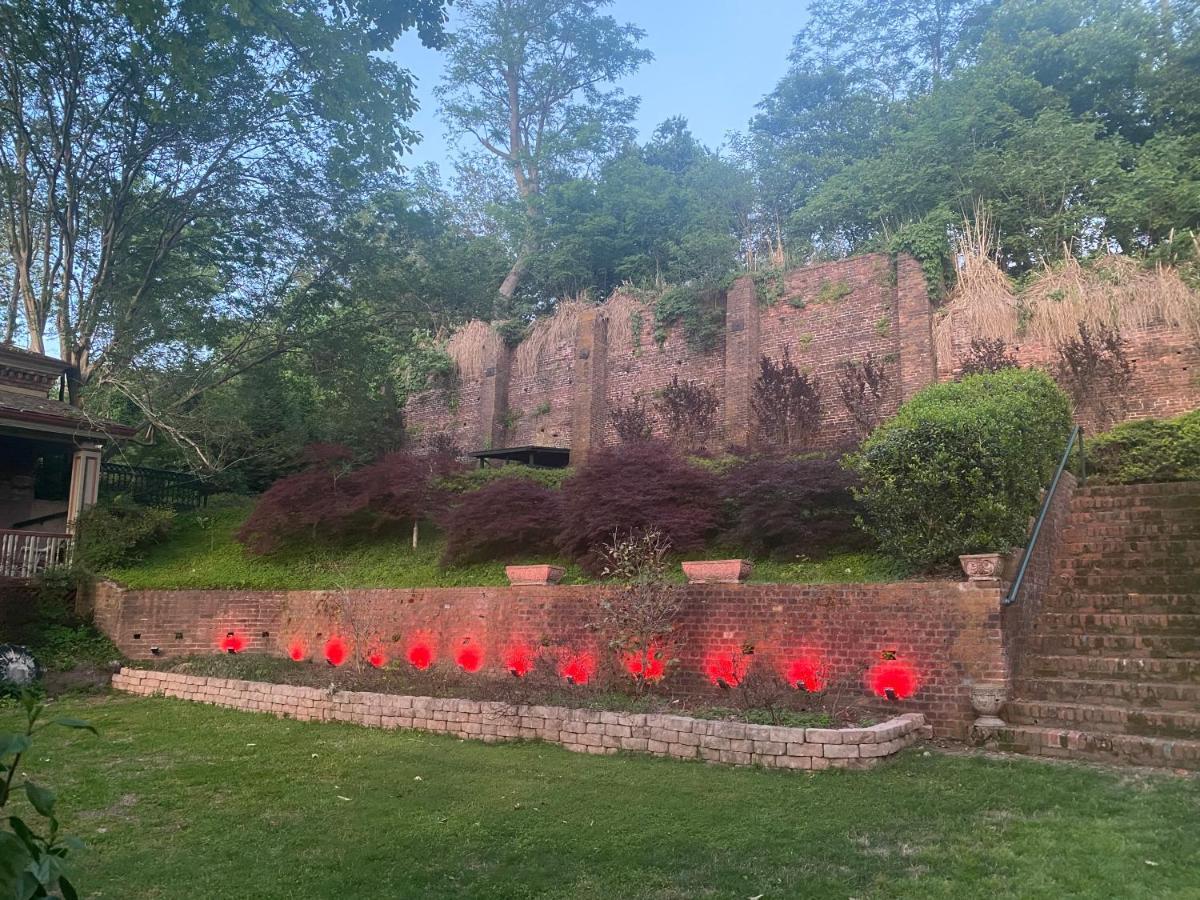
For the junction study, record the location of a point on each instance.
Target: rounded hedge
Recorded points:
(1147, 451)
(960, 467)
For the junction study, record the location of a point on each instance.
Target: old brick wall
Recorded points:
(949, 632)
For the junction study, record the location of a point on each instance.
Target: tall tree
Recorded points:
(173, 162)
(532, 82)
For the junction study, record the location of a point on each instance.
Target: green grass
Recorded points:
(202, 553)
(177, 799)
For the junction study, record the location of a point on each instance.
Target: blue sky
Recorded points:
(714, 60)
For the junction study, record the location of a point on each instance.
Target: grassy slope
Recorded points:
(180, 799)
(202, 553)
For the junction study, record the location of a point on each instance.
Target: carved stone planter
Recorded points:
(990, 569)
(718, 571)
(987, 699)
(529, 575)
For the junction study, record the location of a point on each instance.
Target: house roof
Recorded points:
(41, 414)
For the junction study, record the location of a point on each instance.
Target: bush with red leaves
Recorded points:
(509, 517)
(331, 498)
(786, 507)
(631, 488)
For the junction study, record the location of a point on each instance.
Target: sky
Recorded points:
(713, 61)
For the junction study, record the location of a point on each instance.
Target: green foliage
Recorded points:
(425, 361)
(61, 648)
(960, 467)
(769, 285)
(512, 331)
(473, 479)
(1147, 451)
(33, 863)
(927, 241)
(833, 291)
(698, 307)
(118, 533)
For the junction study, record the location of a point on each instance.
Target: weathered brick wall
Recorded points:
(582, 730)
(949, 632)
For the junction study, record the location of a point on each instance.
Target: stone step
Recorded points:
(1118, 623)
(1149, 722)
(1168, 695)
(1066, 743)
(1106, 668)
(1140, 645)
(1128, 602)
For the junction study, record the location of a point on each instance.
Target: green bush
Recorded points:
(959, 468)
(474, 479)
(1149, 450)
(117, 533)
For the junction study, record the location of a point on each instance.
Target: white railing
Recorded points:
(24, 554)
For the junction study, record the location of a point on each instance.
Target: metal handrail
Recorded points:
(1075, 438)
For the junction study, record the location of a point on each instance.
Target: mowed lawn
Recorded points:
(181, 800)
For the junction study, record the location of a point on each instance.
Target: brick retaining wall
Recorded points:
(581, 730)
(949, 632)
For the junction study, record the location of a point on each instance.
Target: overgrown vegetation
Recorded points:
(1095, 369)
(987, 355)
(632, 421)
(508, 518)
(1148, 450)
(699, 307)
(960, 467)
(688, 409)
(786, 403)
(119, 532)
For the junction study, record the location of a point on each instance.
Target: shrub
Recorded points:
(118, 533)
(509, 517)
(1095, 369)
(632, 423)
(862, 385)
(787, 507)
(987, 355)
(689, 409)
(632, 488)
(1149, 450)
(959, 468)
(461, 482)
(786, 403)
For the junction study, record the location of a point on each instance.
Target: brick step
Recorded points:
(1107, 668)
(1153, 489)
(1131, 582)
(1144, 721)
(1132, 515)
(1130, 531)
(1168, 695)
(1176, 500)
(1107, 547)
(1117, 623)
(1095, 746)
(1140, 645)
(1151, 564)
(1131, 603)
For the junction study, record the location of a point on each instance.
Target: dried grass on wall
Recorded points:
(620, 311)
(548, 333)
(471, 346)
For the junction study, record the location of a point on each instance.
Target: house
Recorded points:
(49, 462)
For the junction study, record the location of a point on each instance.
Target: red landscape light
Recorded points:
(806, 673)
(377, 658)
(648, 665)
(421, 654)
(578, 668)
(726, 669)
(296, 650)
(518, 659)
(232, 643)
(335, 651)
(469, 657)
(893, 680)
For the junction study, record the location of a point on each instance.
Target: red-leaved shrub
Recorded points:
(507, 518)
(786, 507)
(631, 488)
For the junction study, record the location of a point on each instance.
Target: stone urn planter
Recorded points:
(530, 575)
(718, 571)
(988, 698)
(990, 569)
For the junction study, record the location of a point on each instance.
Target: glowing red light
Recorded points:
(420, 655)
(469, 658)
(335, 651)
(377, 658)
(649, 666)
(578, 668)
(296, 650)
(893, 679)
(727, 669)
(233, 643)
(518, 659)
(808, 673)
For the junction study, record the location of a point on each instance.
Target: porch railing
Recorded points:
(25, 554)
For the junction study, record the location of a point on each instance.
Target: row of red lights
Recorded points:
(893, 679)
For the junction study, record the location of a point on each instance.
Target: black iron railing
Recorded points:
(153, 487)
(1075, 440)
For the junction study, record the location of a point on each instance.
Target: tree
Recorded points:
(175, 165)
(527, 79)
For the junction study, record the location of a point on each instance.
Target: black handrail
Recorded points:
(1075, 438)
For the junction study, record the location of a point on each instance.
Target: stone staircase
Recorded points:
(1111, 670)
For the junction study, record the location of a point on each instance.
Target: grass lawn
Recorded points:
(178, 799)
(202, 553)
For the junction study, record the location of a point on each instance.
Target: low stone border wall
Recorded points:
(581, 730)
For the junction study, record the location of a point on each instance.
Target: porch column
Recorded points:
(85, 482)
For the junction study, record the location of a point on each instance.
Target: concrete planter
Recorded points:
(530, 575)
(718, 571)
(987, 699)
(990, 569)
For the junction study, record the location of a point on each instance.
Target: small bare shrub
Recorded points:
(786, 403)
(1095, 369)
(863, 384)
(688, 408)
(632, 422)
(988, 355)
